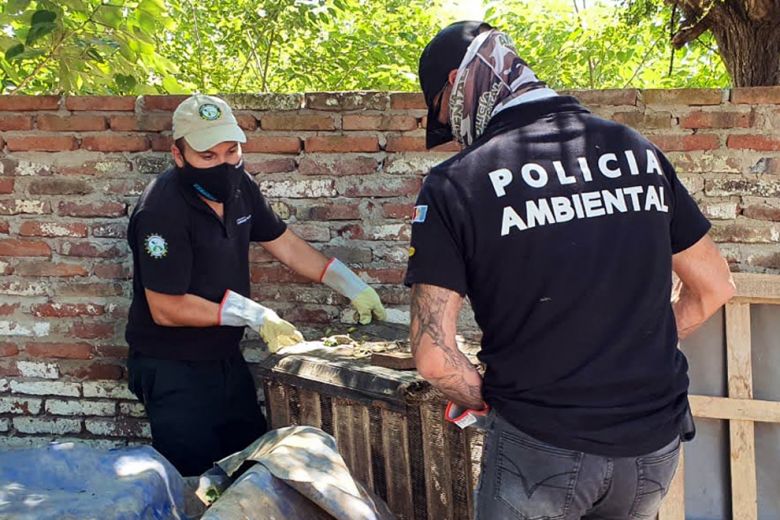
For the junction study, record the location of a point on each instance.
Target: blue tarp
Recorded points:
(72, 481)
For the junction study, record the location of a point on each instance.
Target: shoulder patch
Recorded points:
(156, 246)
(420, 212)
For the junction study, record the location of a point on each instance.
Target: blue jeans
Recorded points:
(524, 478)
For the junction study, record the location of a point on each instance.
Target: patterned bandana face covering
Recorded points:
(490, 77)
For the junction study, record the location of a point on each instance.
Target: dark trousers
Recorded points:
(524, 478)
(199, 411)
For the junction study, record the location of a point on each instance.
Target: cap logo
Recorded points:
(209, 112)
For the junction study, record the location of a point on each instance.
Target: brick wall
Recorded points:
(342, 168)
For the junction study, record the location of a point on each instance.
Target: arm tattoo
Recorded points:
(431, 308)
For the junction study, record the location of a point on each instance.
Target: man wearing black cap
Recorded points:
(563, 229)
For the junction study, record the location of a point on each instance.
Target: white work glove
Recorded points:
(464, 417)
(239, 311)
(364, 299)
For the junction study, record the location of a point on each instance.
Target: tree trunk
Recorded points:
(749, 48)
(747, 32)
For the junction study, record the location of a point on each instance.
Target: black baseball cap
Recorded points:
(442, 54)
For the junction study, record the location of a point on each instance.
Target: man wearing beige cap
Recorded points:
(190, 235)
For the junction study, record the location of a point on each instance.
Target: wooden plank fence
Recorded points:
(739, 408)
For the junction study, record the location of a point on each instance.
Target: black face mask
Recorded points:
(217, 183)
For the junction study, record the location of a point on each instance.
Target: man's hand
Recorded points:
(436, 354)
(278, 333)
(367, 303)
(341, 279)
(239, 311)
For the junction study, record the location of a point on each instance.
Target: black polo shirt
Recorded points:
(560, 227)
(180, 246)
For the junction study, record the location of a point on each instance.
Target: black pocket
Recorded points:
(535, 480)
(654, 473)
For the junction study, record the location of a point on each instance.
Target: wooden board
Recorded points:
(742, 409)
(398, 472)
(757, 288)
(744, 490)
(438, 477)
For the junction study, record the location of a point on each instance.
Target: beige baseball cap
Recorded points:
(205, 121)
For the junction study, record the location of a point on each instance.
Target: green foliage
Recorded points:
(227, 46)
(605, 46)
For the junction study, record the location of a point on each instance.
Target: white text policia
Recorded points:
(590, 204)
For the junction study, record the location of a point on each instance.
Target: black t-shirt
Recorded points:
(560, 227)
(181, 246)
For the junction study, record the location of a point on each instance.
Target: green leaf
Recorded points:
(42, 24)
(14, 52)
(95, 55)
(16, 6)
(125, 82)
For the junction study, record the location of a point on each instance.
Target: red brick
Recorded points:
(92, 209)
(127, 187)
(352, 232)
(31, 228)
(168, 103)
(405, 144)
(13, 247)
(613, 97)
(271, 144)
(683, 96)
(395, 276)
(339, 166)
(246, 121)
(101, 103)
(24, 207)
(383, 187)
(59, 350)
(93, 371)
(756, 95)
(342, 144)
(50, 269)
(754, 142)
(8, 349)
(379, 122)
(110, 230)
(90, 250)
(41, 143)
(92, 330)
(8, 369)
(275, 273)
(701, 119)
(6, 309)
(335, 212)
(6, 185)
(111, 351)
(5, 227)
(762, 212)
(686, 143)
(161, 143)
(256, 165)
(66, 310)
(407, 101)
(71, 123)
(398, 211)
(141, 123)
(300, 314)
(112, 271)
(10, 122)
(60, 186)
(644, 120)
(89, 289)
(346, 101)
(115, 143)
(27, 103)
(297, 122)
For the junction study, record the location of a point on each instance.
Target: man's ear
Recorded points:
(178, 158)
(452, 75)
